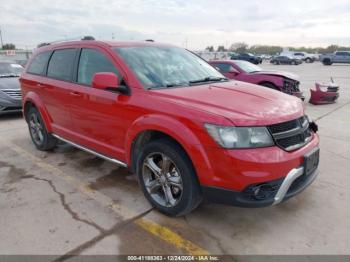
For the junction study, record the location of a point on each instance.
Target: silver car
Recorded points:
(10, 90)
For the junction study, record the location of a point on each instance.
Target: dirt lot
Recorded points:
(70, 202)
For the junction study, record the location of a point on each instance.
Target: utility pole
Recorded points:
(2, 43)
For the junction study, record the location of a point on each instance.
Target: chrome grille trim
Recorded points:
(13, 93)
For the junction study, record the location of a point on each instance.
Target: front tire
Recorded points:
(327, 62)
(167, 178)
(42, 140)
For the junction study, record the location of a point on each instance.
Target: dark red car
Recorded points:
(171, 118)
(247, 72)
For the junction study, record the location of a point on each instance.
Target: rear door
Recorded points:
(57, 89)
(98, 115)
(340, 57)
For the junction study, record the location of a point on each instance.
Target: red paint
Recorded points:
(109, 122)
(327, 96)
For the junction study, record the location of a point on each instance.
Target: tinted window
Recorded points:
(91, 62)
(341, 53)
(61, 64)
(223, 67)
(39, 63)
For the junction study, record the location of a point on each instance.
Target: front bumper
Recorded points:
(276, 191)
(10, 106)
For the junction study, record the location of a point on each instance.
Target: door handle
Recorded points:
(40, 85)
(75, 94)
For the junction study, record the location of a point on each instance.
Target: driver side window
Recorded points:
(92, 61)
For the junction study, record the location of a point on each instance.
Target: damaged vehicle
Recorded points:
(247, 72)
(10, 90)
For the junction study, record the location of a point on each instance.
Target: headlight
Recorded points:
(240, 137)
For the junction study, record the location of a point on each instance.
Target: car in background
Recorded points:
(247, 72)
(336, 57)
(285, 60)
(306, 57)
(10, 90)
(247, 57)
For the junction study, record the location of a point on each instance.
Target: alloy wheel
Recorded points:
(162, 179)
(36, 129)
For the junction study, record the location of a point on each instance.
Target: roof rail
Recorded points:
(88, 37)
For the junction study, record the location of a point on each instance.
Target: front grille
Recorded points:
(332, 89)
(13, 93)
(291, 135)
(290, 86)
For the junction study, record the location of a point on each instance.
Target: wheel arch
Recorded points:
(33, 100)
(153, 127)
(269, 82)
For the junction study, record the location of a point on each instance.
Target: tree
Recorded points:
(239, 47)
(221, 48)
(265, 49)
(8, 46)
(209, 48)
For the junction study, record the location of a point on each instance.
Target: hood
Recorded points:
(242, 103)
(9, 83)
(277, 73)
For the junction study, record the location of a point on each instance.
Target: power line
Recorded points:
(2, 43)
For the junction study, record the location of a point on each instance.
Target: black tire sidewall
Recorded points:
(191, 195)
(47, 142)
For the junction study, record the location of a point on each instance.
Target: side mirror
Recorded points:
(105, 80)
(108, 81)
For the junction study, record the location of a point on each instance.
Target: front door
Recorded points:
(98, 114)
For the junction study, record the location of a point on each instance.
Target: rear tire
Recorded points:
(308, 60)
(167, 178)
(327, 61)
(42, 140)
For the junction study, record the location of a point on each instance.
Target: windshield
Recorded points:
(247, 67)
(162, 67)
(8, 69)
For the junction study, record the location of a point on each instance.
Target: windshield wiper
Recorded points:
(208, 79)
(167, 86)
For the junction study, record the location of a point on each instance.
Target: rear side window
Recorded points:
(92, 62)
(61, 64)
(38, 64)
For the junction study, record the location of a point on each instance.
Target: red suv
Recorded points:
(186, 131)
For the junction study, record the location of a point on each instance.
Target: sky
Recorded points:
(193, 24)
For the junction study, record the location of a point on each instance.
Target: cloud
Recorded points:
(197, 23)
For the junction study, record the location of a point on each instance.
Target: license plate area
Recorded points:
(311, 161)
